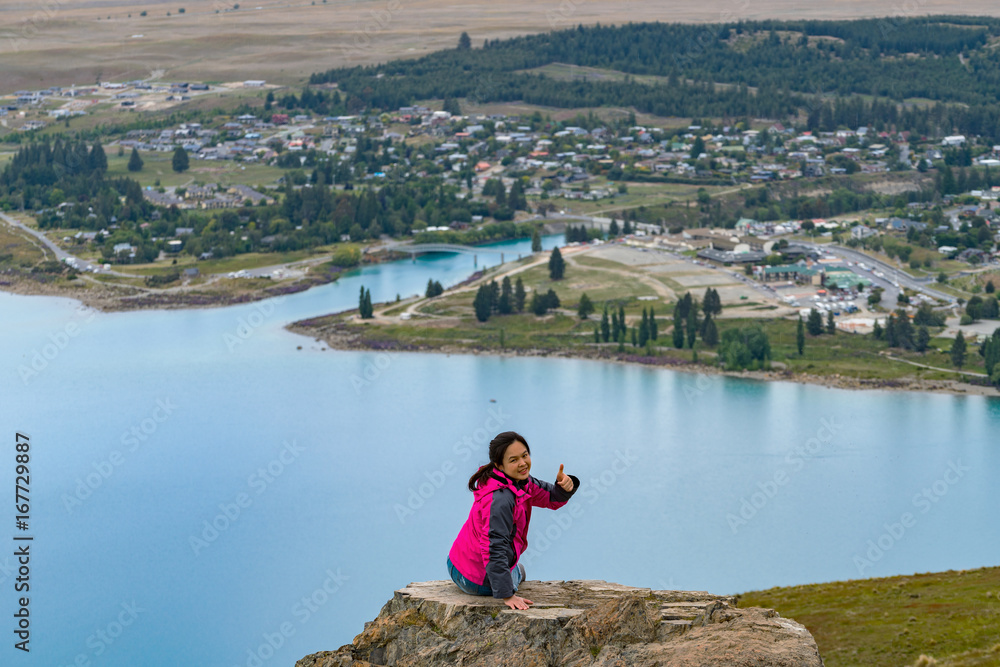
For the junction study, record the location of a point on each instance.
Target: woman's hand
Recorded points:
(515, 602)
(564, 481)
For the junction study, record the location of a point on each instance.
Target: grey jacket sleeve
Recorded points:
(501, 544)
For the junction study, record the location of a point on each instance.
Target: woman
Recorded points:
(483, 559)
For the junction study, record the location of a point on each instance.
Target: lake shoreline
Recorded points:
(341, 338)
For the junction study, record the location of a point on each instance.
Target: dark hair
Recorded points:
(498, 446)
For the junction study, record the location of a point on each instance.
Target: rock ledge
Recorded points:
(572, 624)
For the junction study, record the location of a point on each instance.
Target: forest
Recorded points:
(837, 73)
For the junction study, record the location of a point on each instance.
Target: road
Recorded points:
(60, 254)
(904, 279)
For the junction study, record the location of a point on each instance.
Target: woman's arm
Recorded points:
(551, 496)
(500, 551)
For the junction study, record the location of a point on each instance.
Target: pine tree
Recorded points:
(692, 326)
(483, 303)
(536, 241)
(586, 306)
(709, 332)
(615, 325)
(134, 161)
(597, 334)
(519, 295)
(923, 339)
(800, 336)
(557, 265)
(605, 325)
(890, 331)
(958, 351)
(464, 42)
(505, 305)
(613, 228)
(180, 160)
(365, 309)
(98, 159)
(831, 326)
(814, 323)
(643, 334)
(494, 296)
(621, 318)
(877, 330)
(653, 328)
(539, 304)
(684, 305)
(678, 329)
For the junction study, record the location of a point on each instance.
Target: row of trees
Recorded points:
(503, 299)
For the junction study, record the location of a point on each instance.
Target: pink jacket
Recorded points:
(496, 533)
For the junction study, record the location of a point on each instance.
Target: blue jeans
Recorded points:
(516, 576)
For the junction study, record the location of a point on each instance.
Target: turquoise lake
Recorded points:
(204, 492)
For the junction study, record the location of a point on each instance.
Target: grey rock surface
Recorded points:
(572, 624)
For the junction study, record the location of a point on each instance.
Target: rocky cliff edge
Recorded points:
(572, 624)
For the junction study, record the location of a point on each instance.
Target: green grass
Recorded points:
(855, 355)
(639, 194)
(158, 165)
(250, 260)
(23, 249)
(950, 616)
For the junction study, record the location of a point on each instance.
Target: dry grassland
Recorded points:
(56, 42)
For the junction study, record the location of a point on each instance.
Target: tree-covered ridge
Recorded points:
(948, 59)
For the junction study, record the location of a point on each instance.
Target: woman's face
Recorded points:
(516, 462)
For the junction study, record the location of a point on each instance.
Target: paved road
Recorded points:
(61, 255)
(891, 272)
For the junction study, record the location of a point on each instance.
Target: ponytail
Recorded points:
(480, 476)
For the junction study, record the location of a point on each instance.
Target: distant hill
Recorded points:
(839, 73)
(284, 41)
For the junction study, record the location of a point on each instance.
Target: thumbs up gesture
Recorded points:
(564, 480)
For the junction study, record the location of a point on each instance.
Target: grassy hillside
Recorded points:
(951, 618)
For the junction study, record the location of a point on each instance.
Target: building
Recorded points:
(861, 232)
(799, 273)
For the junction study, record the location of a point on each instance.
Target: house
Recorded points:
(192, 272)
(254, 83)
(861, 232)
(956, 140)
